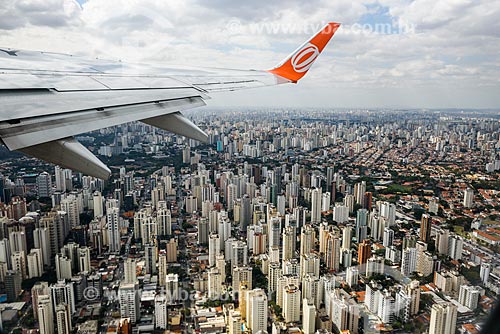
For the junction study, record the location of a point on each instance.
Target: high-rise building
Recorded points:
(442, 238)
(443, 319)
(63, 293)
(332, 254)
(63, 267)
(214, 283)
(242, 274)
(44, 185)
(408, 261)
(70, 206)
(164, 221)
(291, 303)
(13, 281)
(413, 291)
(172, 251)
(425, 228)
(468, 198)
(388, 237)
(256, 306)
(364, 251)
(41, 238)
(35, 263)
(239, 254)
(129, 302)
(346, 237)
(203, 230)
(172, 287)
(162, 268)
(161, 312)
(18, 261)
(289, 243)
(39, 289)
(150, 258)
(455, 247)
(246, 212)
(307, 239)
(352, 276)
(130, 271)
(97, 201)
(83, 259)
(45, 315)
(359, 192)
(63, 319)
(469, 296)
(316, 205)
(113, 223)
(309, 317)
(235, 322)
(213, 249)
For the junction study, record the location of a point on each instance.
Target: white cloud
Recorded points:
(453, 49)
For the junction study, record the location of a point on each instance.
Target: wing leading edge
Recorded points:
(47, 98)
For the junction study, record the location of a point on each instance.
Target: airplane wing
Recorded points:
(47, 98)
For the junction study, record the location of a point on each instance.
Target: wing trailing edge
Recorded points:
(69, 153)
(179, 124)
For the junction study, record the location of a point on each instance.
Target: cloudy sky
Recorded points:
(388, 53)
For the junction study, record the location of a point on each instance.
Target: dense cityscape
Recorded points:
(286, 221)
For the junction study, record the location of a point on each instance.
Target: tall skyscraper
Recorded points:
(150, 257)
(44, 185)
(203, 230)
(161, 312)
(213, 249)
(63, 293)
(443, 319)
(469, 296)
(172, 287)
(113, 223)
(289, 243)
(13, 281)
(468, 198)
(130, 271)
(45, 315)
(309, 317)
(425, 228)
(307, 239)
(63, 319)
(39, 289)
(71, 207)
(364, 251)
(129, 302)
(359, 192)
(97, 201)
(256, 310)
(291, 303)
(332, 253)
(316, 197)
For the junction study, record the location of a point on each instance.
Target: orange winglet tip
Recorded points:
(295, 66)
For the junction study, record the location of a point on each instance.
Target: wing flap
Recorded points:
(179, 124)
(69, 153)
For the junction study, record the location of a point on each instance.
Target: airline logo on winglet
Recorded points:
(299, 62)
(303, 60)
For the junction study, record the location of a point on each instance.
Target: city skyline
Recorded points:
(336, 221)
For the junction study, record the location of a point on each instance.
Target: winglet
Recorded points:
(295, 66)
